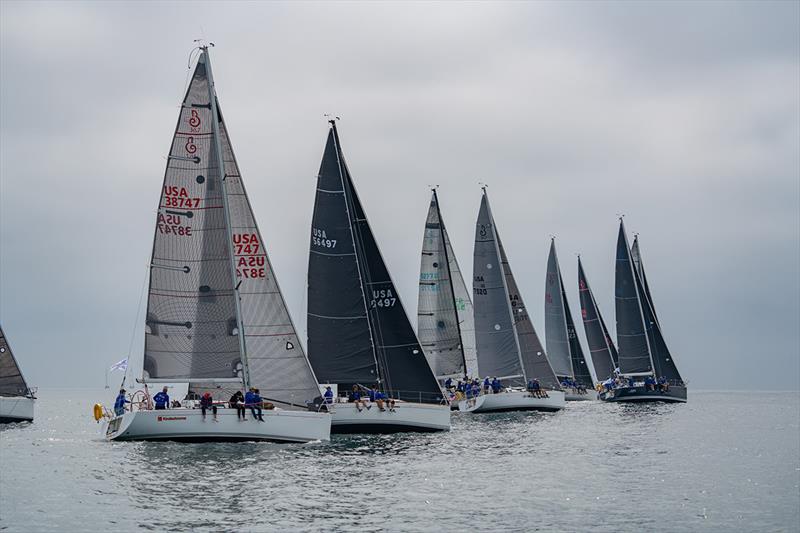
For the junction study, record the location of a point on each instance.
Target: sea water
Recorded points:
(725, 461)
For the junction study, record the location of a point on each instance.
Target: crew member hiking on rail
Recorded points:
(254, 401)
(237, 402)
(207, 402)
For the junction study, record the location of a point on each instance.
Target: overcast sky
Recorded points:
(684, 116)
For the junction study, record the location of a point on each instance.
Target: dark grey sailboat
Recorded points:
(601, 346)
(16, 398)
(643, 354)
(359, 334)
(563, 345)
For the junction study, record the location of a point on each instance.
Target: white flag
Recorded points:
(121, 365)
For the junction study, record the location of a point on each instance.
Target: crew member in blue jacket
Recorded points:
(496, 386)
(254, 401)
(162, 399)
(328, 395)
(119, 404)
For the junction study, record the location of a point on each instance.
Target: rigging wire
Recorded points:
(136, 324)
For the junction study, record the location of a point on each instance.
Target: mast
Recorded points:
(505, 287)
(212, 95)
(357, 249)
(450, 279)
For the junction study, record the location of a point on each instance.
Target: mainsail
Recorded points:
(358, 330)
(555, 322)
(11, 381)
(215, 313)
(580, 368)
(601, 347)
(632, 333)
(438, 320)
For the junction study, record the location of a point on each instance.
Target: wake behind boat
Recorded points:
(216, 318)
(647, 371)
(359, 335)
(508, 347)
(16, 398)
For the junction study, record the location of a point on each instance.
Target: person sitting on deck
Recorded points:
(206, 403)
(476, 389)
(663, 384)
(355, 397)
(162, 399)
(119, 403)
(487, 384)
(448, 383)
(531, 388)
(631, 382)
(496, 386)
(538, 390)
(328, 395)
(237, 402)
(460, 386)
(254, 401)
(650, 383)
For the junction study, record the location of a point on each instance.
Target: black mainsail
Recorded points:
(358, 330)
(601, 347)
(12, 383)
(215, 313)
(633, 335)
(444, 314)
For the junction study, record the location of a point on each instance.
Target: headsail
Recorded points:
(534, 359)
(11, 381)
(192, 329)
(464, 310)
(358, 330)
(632, 334)
(601, 347)
(499, 352)
(580, 366)
(638, 264)
(438, 324)
(555, 322)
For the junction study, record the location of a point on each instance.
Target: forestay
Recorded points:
(358, 330)
(438, 325)
(12, 383)
(601, 347)
(632, 337)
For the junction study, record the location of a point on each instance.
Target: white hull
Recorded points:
(188, 425)
(407, 416)
(513, 401)
(573, 396)
(16, 409)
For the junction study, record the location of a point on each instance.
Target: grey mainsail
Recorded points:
(464, 309)
(192, 330)
(632, 332)
(555, 322)
(438, 325)
(534, 359)
(601, 347)
(580, 366)
(498, 347)
(358, 330)
(12, 383)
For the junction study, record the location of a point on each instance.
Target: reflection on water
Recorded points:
(722, 461)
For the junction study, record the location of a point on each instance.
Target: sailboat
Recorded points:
(643, 354)
(216, 319)
(16, 398)
(359, 335)
(601, 346)
(563, 345)
(508, 346)
(445, 325)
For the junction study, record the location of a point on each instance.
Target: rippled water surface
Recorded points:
(724, 461)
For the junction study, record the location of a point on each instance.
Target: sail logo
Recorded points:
(382, 298)
(175, 196)
(320, 238)
(246, 243)
(194, 121)
(582, 285)
(190, 146)
(172, 224)
(548, 297)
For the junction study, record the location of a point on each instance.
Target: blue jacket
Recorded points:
(249, 398)
(161, 399)
(328, 396)
(120, 402)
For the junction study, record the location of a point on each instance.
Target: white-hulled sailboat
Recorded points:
(507, 344)
(216, 318)
(445, 323)
(563, 345)
(16, 398)
(359, 334)
(643, 354)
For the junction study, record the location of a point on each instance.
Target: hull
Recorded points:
(16, 409)
(675, 394)
(513, 401)
(572, 395)
(188, 425)
(407, 416)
